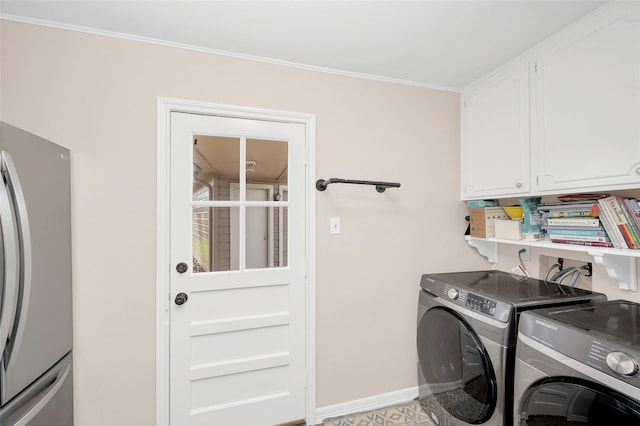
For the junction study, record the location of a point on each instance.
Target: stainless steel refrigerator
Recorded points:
(36, 386)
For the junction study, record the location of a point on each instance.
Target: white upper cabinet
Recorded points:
(564, 118)
(495, 135)
(586, 116)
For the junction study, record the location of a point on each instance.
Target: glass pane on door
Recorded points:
(267, 162)
(202, 239)
(216, 164)
(211, 241)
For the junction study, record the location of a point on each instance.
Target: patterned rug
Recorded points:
(409, 414)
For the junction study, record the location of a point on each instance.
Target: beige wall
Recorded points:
(97, 96)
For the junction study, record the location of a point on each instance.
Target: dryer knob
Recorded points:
(622, 363)
(453, 294)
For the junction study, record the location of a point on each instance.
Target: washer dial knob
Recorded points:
(453, 294)
(622, 363)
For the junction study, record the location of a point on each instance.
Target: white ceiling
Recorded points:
(445, 44)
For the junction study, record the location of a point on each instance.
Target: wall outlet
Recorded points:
(525, 253)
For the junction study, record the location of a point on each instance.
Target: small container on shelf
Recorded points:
(508, 229)
(514, 212)
(482, 220)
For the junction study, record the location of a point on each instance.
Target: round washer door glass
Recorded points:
(455, 366)
(574, 401)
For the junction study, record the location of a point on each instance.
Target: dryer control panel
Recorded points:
(472, 301)
(481, 304)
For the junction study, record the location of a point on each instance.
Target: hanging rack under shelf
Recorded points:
(322, 184)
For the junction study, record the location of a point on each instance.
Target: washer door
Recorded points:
(455, 366)
(569, 400)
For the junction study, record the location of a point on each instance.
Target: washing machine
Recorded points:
(579, 366)
(467, 331)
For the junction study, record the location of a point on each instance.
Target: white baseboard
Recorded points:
(366, 404)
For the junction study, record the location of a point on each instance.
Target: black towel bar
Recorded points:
(321, 184)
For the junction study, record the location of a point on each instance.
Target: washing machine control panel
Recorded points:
(481, 304)
(470, 301)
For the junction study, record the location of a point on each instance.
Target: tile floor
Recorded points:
(409, 414)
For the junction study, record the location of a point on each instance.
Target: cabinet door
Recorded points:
(495, 135)
(587, 97)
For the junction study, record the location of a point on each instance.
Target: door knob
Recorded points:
(182, 267)
(181, 298)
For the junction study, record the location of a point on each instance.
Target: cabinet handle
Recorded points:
(638, 170)
(518, 184)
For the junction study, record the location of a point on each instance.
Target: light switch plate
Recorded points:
(334, 225)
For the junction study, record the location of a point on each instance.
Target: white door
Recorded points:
(237, 333)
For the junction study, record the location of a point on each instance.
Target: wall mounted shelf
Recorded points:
(620, 264)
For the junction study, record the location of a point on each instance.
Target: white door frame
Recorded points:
(165, 107)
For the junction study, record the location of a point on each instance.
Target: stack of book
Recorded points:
(620, 217)
(576, 223)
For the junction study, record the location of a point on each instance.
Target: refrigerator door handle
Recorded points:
(23, 244)
(10, 268)
(50, 393)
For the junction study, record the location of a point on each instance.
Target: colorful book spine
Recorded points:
(585, 243)
(630, 224)
(609, 225)
(582, 228)
(567, 213)
(578, 238)
(586, 205)
(634, 208)
(574, 221)
(578, 232)
(611, 203)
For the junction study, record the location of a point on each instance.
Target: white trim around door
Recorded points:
(165, 106)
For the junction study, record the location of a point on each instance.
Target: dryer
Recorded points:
(467, 331)
(579, 365)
